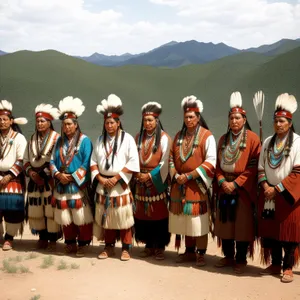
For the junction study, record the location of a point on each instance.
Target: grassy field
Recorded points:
(30, 78)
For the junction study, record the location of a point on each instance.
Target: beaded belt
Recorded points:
(230, 177)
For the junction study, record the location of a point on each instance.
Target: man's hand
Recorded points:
(181, 179)
(228, 187)
(5, 180)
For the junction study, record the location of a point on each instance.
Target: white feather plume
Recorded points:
(109, 105)
(48, 108)
(5, 105)
(151, 104)
(236, 100)
(192, 99)
(259, 104)
(20, 121)
(286, 102)
(101, 108)
(113, 101)
(70, 104)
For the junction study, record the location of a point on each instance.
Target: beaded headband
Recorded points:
(45, 115)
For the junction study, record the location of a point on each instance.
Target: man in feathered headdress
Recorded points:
(236, 176)
(151, 184)
(192, 167)
(12, 147)
(70, 166)
(114, 159)
(36, 166)
(279, 202)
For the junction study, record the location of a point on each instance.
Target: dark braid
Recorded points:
(158, 130)
(115, 145)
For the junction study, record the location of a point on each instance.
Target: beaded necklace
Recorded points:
(145, 153)
(68, 150)
(186, 147)
(232, 151)
(277, 152)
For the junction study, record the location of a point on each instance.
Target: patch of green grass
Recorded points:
(62, 265)
(31, 255)
(36, 297)
(48, 261)
(8, 267)
(75, 266)
(23, 269)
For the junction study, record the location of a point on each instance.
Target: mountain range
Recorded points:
(29, 78)
(176, 54)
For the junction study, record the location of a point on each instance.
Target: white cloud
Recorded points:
(72, 27)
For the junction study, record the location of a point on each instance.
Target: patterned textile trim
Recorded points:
(151, 198)
(17, 168)
(39, 201)
(207, 170)
(94, 168)
(261, 176)
(70, 188)
(252, 163)
(27, 167)
(296, 170)
(53, 169)
(190, 208)
(279, 187)
(13, 187)
(114, 201)
(122, 183)
(9, 201)
(79, 175)
(230, 177)
(220, 181)
(71, 203)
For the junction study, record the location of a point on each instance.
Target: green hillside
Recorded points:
(29, 78)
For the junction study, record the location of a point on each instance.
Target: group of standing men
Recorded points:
(153, 184)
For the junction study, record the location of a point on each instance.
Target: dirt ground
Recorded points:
(87, 278)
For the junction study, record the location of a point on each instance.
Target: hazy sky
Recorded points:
(80, 27)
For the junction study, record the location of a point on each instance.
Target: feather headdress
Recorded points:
(191, 103)
(70, 108)
(47, 111)
(236, 104)
(151, 109)
(6, 109)
(110, 108)
(285, 106)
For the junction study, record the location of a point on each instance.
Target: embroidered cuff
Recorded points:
(279, 187)
(221, 181)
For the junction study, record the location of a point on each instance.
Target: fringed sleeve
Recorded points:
(160, 173)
